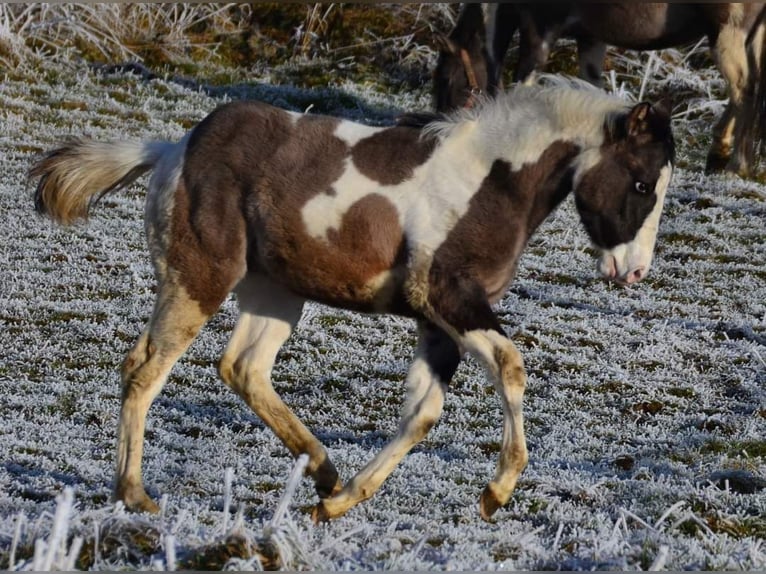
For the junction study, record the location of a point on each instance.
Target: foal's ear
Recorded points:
(637, 120)
(445, 44)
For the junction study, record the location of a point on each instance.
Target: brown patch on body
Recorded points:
(348, 268)
(207, 258)
(208, 228)
(390, 156)
(643, 26)
(482, 250)
(355, 267)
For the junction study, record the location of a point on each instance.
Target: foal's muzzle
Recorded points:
(610, 268)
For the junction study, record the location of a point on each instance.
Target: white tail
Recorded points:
(76, 175)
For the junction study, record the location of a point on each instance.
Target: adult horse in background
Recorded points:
(472, 57)
(427, 223)
(735, 32)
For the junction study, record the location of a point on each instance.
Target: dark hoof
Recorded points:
(319, 514)
(326, 489)
(488, 503)
(716, 163)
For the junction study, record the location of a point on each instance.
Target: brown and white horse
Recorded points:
(471, 57)
(428, 223)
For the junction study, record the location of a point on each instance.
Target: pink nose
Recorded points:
(634, 276)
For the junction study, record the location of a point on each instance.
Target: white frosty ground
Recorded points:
(636, 396)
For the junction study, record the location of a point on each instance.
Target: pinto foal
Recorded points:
(427, 223)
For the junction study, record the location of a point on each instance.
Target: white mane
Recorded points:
(554, 108)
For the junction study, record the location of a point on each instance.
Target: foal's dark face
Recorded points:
(620, 197)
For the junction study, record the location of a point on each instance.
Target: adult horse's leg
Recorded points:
(501, 23)
(534, 47)
(540, 27)
(590, 57)
(754, 123)
(436, 360)
(733, 143)
(268, 314)
(175, 322)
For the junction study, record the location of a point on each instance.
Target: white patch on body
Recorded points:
(429, 203)
(622, 260)
(351, 133)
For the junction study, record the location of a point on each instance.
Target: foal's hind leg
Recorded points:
(175, 322)
(268, 314)
(435, 362)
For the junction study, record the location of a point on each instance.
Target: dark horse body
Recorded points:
(429, 223)
(477, 47)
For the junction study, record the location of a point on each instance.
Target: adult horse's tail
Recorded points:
(76, 175)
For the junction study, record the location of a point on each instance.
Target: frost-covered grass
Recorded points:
(642, 402)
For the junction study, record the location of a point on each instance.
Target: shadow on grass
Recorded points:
(326, 100)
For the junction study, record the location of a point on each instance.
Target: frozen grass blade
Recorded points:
(228, 477)
(60, 528)
(295, 477)
(20, 519)
(170, 552)
(557, 538)
(665, 515)
(648, 70)
(74, 552)
(661, 558)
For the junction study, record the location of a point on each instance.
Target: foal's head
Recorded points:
(620, 190)
(461, 71)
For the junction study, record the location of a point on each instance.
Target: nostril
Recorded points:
(610, 267)
(635, 275)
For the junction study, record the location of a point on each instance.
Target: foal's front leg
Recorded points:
(504, 364)
(479, 332)
(436, 360)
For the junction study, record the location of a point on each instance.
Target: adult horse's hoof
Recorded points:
(716, 162)
(735, 163)
(488, 503)
(136, 500)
